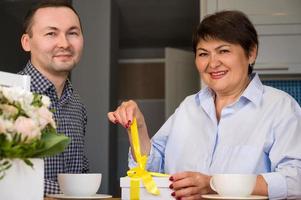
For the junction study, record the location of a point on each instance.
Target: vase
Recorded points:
(22, 182)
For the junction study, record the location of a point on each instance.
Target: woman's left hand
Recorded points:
(190, 185)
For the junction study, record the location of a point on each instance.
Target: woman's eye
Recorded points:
(224, 51)
(202, 54)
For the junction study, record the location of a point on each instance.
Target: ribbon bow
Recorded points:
(139, 172)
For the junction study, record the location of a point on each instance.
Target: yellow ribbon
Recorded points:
(139, 172)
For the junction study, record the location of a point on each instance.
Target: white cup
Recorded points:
(79, 185)
(233, 185)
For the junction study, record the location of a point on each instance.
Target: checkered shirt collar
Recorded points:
(41, 83)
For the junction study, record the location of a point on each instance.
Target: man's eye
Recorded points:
(73, 33)
(51, 33)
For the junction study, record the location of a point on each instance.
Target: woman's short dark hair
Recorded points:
(27, 22)
(231, 26)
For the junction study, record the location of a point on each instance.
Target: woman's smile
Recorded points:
(218, 74)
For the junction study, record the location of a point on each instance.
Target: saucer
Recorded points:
(63, 196)
(216, 196)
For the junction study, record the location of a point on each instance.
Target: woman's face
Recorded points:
(223, 66)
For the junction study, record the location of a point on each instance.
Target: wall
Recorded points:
(94, 79)
(12, 58)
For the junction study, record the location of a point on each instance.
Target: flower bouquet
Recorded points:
(27, 128)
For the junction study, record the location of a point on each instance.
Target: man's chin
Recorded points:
(65, 66)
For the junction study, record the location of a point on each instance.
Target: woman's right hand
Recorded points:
(124, 115)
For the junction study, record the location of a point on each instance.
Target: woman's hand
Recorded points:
(124, 115)
(190, 185)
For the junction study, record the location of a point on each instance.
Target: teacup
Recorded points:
(79, 185)
(234, 185)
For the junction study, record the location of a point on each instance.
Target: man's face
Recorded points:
(55, 41)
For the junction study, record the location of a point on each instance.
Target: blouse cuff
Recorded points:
(277, 187)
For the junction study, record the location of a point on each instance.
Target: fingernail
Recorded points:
(171, 178)
(116, 121)
(129, 122)
(173, 194)
(126, 126)
(179, 198)
(171, 186)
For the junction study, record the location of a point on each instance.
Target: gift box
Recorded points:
(161, 182)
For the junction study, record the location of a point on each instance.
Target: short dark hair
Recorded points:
(27, 22)
(231, 26)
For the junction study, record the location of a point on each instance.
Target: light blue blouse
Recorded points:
(260, 133)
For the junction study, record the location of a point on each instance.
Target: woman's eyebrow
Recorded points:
(200, 48)
(221, 46)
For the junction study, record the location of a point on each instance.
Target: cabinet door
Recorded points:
(262, 11)
(278, 23)
(181, 78)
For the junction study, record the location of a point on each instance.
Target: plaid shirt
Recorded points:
(71, 119)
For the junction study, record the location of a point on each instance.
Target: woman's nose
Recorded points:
(214, 61)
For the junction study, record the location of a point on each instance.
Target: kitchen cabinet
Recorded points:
(278, 23)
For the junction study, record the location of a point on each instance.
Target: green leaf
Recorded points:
(4, 165)
(53, 144)
(37, 100)
(28, 162)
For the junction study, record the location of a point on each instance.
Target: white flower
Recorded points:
(8, 124)
(46, 101)
(27, 127)
(17, 94)
(8, 110)
(45, 117)
(18, 115)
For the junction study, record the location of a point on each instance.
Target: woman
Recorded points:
(234, 125)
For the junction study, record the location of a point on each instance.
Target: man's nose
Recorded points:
(63, 41)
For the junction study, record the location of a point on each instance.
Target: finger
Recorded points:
(121, 115)
(181, 175)
(188, 181)
(130, 112)
(112, 118)
(188, 192)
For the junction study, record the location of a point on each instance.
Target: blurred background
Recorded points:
(141, 50)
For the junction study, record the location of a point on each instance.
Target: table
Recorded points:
(48, 198)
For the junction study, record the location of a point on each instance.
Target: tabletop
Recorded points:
(48, 198)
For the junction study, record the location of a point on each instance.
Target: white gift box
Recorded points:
(161, 182)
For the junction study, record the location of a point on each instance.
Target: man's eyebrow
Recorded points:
(74, 28)
(51, 28)
(55, 28)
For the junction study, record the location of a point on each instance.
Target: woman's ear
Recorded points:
(25, 42)
(253, 55)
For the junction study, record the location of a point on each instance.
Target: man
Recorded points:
(53, 36)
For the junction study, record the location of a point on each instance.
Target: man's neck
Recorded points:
(57, 79)
(59, 86)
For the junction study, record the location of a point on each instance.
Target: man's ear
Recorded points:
(25, 42)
